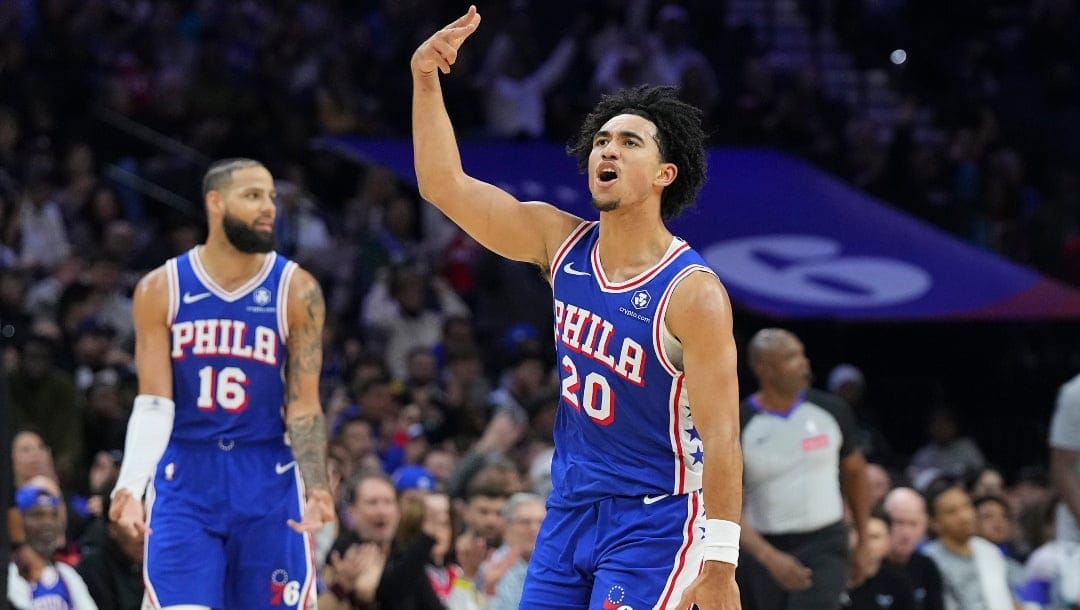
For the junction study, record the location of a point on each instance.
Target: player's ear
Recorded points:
(666, 174)
(214, 203)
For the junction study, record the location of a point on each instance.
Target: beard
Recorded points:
(605, 206)
(45, 542)
(246, 239)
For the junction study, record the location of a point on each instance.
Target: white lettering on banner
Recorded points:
(810, 270)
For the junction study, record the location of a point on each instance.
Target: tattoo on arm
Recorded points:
(305, 341)
(308, 437)
(307, 431)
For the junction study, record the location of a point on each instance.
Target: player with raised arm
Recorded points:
(647, 428)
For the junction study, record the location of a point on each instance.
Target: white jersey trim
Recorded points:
(571, 240)
(676, 248)
(151, 594)
(283, 300)
(172, 273)
(660, 319)
(230, 296)
(688, 560)
(309, 546)
(675, 397)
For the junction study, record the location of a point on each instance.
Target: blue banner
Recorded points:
(788, 240)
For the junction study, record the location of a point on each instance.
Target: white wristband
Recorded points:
(149, 429)
(722, 541)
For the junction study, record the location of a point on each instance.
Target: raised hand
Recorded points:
(441, 49)
(127, 511)
(318, 511)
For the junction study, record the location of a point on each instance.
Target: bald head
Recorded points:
(907, 509)
(768, 341)
(779, 362)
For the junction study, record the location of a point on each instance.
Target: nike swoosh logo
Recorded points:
(283, 468)
(654, 499)
(569, 268)
(194, 298)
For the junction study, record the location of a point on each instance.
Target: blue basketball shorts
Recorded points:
(218, 514)
(621, 553)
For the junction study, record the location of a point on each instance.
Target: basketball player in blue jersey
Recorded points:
(647, 428)
(226, 444)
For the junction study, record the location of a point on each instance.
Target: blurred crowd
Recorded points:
(438, 372)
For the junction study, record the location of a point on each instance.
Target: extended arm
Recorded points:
(527, 232)
(700, 317)
(303, 412)
(150, 425)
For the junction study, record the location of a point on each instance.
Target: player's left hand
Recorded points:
(318, 511)
(713, 589)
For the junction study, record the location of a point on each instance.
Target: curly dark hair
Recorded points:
(680, 138)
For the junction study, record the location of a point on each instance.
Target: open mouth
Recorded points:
(606, 175)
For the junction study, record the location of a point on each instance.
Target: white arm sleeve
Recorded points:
(148, 433)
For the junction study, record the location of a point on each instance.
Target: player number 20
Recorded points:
(226, 388)
(596, 397)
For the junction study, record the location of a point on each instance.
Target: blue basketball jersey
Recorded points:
(623, 426)
(212, 546)
(51, 592)
(228, 351)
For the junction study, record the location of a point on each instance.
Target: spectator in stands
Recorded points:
(673, 56)
(523, 380)
(113, 572)
(413, 482)
(96, 358)
(504, 575)
(973, 570)
(44, 397)
(419, 573)
(994, 522)
(355, 436)
(41, 224)
(30, 457)
(987, 481)
(515, 89)
(907, 511)
(399, 309)
(849, 383)
(355, 565)
(883, 580)
(104, 470)
(35, 580)
(485, 504)
(949, 452)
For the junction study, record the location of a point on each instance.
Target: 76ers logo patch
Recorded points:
(614, 599)
(283, 590)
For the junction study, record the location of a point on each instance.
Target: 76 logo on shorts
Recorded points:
(283, 590)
